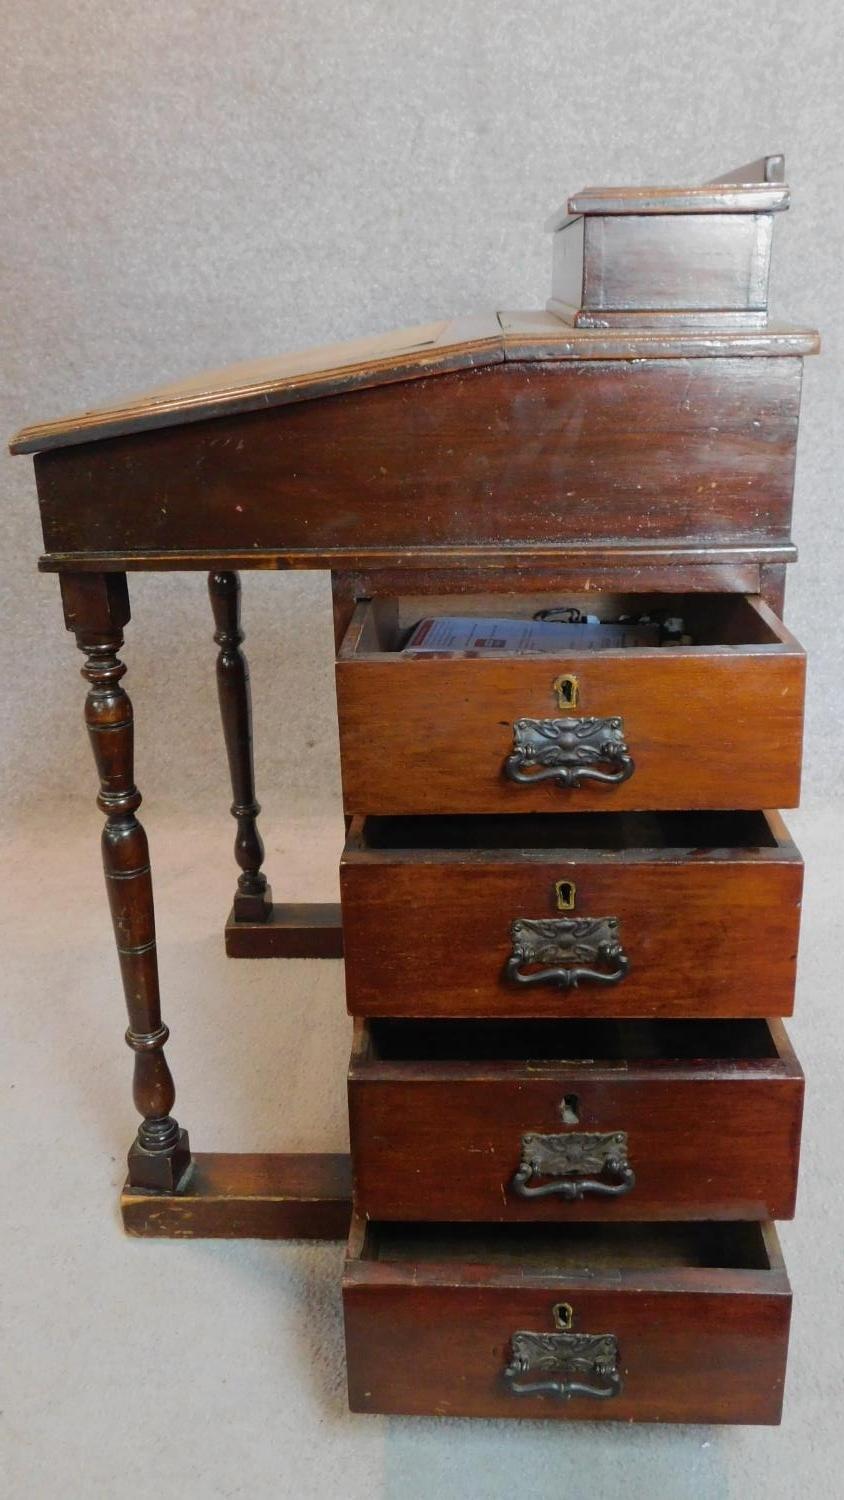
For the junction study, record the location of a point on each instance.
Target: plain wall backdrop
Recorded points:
(188, 184)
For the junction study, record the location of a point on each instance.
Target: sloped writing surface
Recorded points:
(249, 385)
(472, 341)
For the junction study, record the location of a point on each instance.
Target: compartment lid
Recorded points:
(758, 187)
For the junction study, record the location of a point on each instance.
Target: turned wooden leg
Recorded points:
(253, 898)
(96, 609)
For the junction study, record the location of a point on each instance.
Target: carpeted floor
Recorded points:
(193, 1369)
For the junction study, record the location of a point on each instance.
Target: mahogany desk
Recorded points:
(503, 454)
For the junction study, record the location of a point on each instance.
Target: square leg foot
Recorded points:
(160, 1171)
(256, 908)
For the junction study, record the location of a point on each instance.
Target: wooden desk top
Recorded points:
(662, 430)
(429, 349)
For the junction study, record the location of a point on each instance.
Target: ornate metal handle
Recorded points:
(567, 1364)
(569, 1158)
(569, 752)
(567, 944)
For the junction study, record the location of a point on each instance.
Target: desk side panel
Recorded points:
(543, 453)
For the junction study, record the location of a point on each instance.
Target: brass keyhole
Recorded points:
(563, 1315)
(566, 689)
(565, 891)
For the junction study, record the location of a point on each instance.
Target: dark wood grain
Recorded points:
(250, 1196)
(429, 1322)
(437, 1123)
(469, 342)
(401, 354)
(614, 573)
(428, 930)
(96, 611)
(549, 454)
(687, 270)
(293, 929)
(710, 567)
(644, 455)
(707, 725)
(669, 258)
(253, 898)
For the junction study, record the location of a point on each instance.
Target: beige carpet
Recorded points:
(182, 1369)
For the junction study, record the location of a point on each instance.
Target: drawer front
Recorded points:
(451, 936)
(716, 727)
(453, 1141)
(687, 1346)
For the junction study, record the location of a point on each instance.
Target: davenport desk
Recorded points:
(566, 914)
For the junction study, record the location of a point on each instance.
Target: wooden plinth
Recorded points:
(250, 1196)
(292, 930)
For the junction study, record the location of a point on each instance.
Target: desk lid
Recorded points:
(407, 354)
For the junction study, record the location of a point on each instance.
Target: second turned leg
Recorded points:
(257, 928)
(253, 898)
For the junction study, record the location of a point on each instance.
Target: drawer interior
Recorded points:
(568, 1040)
(557, 1249)
(689, 832)
(382, 626)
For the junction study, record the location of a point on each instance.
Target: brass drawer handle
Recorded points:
(569, 1159)
(571, 946)
(566, 1364)
(569, 752)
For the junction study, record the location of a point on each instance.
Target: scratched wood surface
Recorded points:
(437, 1121)
(517, 455)
(405, 354)
(701, 1315)
(428, 931)
(708, 726)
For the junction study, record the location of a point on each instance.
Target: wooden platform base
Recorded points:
(251, 1196)
(292, 930)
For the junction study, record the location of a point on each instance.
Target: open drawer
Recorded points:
(574, 1120)
(638, 1322)
(715, 724)
(604, 914)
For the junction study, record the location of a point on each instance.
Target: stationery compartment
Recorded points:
(636, 1322)
(565, 915)
(712, 724)
(574, 1120)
